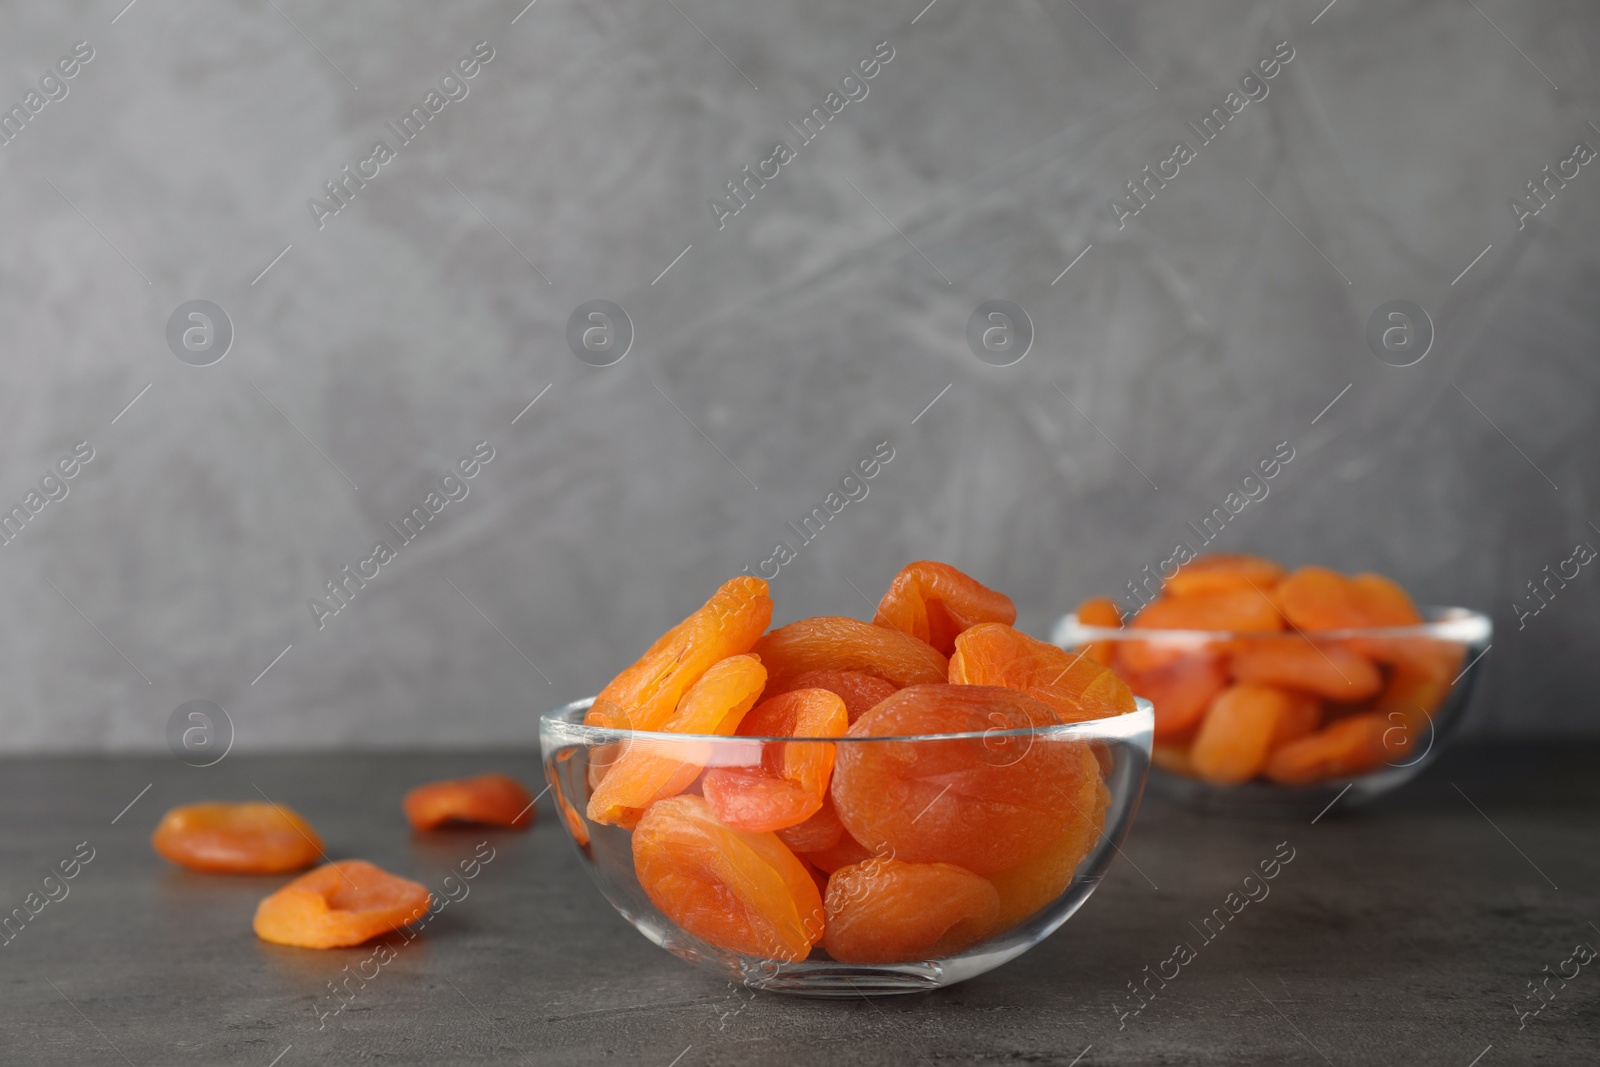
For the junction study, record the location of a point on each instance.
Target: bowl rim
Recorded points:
(1129, 726)
(1439, 623)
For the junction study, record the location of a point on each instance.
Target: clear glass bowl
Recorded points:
(1413, 720)
(1111, 757)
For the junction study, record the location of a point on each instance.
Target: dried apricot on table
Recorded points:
(1224, 570)
(837, 643)
(1241, 728)
(488, 799)
(860, 691)
(986, 802)
(1344, 748)
(934, 602)
(1331, 670)
(651, 768)
(788, 787)
(645, 695)
(248, 838)
(740, 891)
(1029, 886)
(1077, 687)
(339, 904)
(886, 910)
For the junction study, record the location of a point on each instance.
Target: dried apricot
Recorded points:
(248, 838)
(860, 691)
(645, 695)
(1180, 691)
(843, 852)
(1076, 686)
(740, 891)
(1241, 728)
(934, 602)
(821, 831)
(1325, 668)
(1102, 612)
(340, 904)
(886, 910)
(489, 799)
(1348, 747)
(1029, 886)
(984, 802)
(788, 787)
(651, 768)
(1242, 609)
(837, 643)
(1224, 570)
(1317, 598)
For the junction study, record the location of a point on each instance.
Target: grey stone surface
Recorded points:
(1404, 933)
(777, 352)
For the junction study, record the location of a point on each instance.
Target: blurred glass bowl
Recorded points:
(1427, 673)
(1103, 760)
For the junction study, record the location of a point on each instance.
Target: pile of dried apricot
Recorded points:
(963, 821)
(1276, 698)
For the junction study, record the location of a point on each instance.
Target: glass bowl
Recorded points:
(1425, 675)
(1097, 770)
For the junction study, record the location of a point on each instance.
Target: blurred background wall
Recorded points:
(374, 347)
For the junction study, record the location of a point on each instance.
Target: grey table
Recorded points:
(1407, 933)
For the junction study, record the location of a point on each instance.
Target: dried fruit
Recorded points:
(1348, 747)
(1325, 668)
(645, 695)
(985, 802)
(1077, 687)
(1102, 612)
(788, 787)
(1180, 691)
(340, 904)
(889, 911)
(830, 642)
(1029, 886)
(249, 838)
(1224, 570)
(1243, 725)
(1316, 598)
(489, 799)
(934, 602)
(740, 891)
(860, 691)
(651, 768)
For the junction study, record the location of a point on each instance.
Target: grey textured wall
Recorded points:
(777, 352)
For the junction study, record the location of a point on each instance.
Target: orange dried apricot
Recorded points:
(1317, 598)
(831, 642)
(740, 891)
(821, 831)
(934, 602)
(488, 799)
(1102, 612)
(1239, 731)
(843, 852)
(645, 695)
(1180, 691)
(788, 787)
(1224, 570)
(985, 802)
(1327, 669)
(340, 904)
(651, 768)
(247, 838)
(1029, 886)
(1241, 609)
(885, 910)
(1076, 686)
(1344, 748)
(860, 691)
